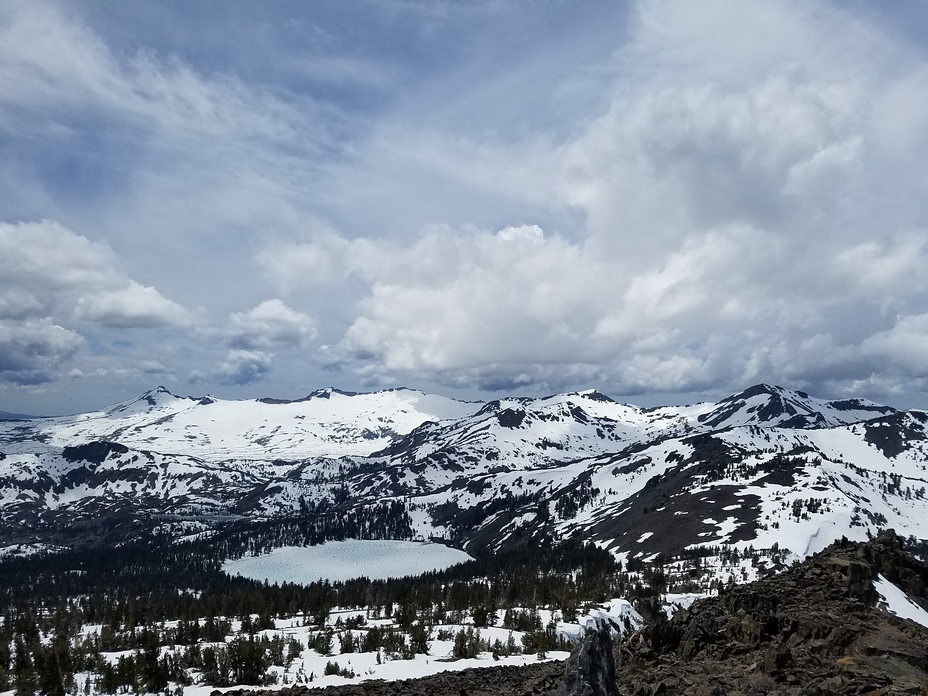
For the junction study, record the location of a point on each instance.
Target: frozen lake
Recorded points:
(343, 560)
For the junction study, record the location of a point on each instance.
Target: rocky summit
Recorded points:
(818, 628)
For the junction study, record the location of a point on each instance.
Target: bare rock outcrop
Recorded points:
(815, 629)
(590, 668)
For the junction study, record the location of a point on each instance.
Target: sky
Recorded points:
(665, 201)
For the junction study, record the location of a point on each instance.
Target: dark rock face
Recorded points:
(812, 630)
(590, 668)
(93, 452)
(511, 418)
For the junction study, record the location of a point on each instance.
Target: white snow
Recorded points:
(898, 602)
(674, 601)
(366, 667)
(23, 550)
(198, 457)
(338, 561)
(329, 424)
(618, 614)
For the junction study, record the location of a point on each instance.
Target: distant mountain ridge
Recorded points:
(6, 415)
(768, 405)
(768, 468)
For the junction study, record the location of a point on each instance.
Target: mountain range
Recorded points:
(768, 469)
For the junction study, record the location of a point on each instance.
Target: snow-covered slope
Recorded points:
(768, 468)
(327, 423)
(770, 406)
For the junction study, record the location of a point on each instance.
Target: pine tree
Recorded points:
(51, 682)
(4, 663)
(419, 639)
(24, 678)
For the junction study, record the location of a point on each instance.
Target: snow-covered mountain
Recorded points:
(328, 423)
(768, 468)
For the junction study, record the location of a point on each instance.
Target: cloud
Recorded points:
(241, 367)
(55, 62)
(521, 307)
(902, 350)
(325, 258)
(738, 225)
(894, 265)
(179, 164)
(48, 270)
(31, 350)
(133, 306)
(271, 323)
(143, 368)
(702, 197)
(57, 286)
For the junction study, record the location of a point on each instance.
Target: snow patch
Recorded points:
(897, 602)
(618, 614)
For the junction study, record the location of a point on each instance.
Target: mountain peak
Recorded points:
(157, 392)
(764, 389)
(769, 405)
(327, 392)
(152, 398)
(596, 395)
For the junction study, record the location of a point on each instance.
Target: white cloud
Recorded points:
(271, 323)
(173, 163)
(242, 367)
(748, 214)
(48, 61)
(56, 286)
(461, 300)
(891, 265)
(903, 349)
(293, 264)
(48, 270)
(45, 257)
(134, 306)
(520, 307)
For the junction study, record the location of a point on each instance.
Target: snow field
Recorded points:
(309, 664)
(897, 602)
(329, 424)
(309, 667)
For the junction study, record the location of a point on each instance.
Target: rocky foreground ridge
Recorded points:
(815, 629)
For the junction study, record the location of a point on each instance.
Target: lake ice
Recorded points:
(343, 560)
